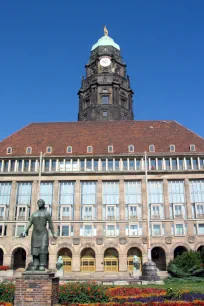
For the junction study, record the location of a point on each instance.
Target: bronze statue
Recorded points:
(40, 239)
(105, 31)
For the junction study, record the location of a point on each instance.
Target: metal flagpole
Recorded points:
(149, 257)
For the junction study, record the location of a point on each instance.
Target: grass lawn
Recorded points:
(192, 284)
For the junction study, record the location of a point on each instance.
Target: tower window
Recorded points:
(192, 147)
(49, 150)
(9, 150)
(86, 103)
(105, 114)
(131, 148)
(151, 148)
(89, 149)
(172, 148)
(110, 149)
(105, 100)
(69, 149)
(28, 150)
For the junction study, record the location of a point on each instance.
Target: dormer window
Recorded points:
(69, 149)
(110, 149)
(172, 148)
(28, 150)
(192, 148)
(151, 148)
(131, 148)
(89, 149)
(49, 150)
(9, 150)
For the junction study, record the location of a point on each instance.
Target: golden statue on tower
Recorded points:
(105, 31)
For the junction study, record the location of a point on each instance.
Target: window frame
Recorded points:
(110, 149)
(196, 204)
(48, 150)
(5, 212)
(63, 218)
(129, 149)
(179, 223)
(174, 148)
(151, 209)
(16, 226)
(83, 212)
(192, 146)
(18, 208)
(152, 146)
(69, 147)
(88, 147)
(61, 225)
(9, 150)
(92, 229)
(27, 149)
(157, 223)
(110, 218)
(137, 209)
(197, 225)
(138, 229)
(109, 224)
(105, 96)
(182, 208)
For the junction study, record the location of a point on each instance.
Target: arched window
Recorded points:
(9, 150)
(172, 148)
(151, 148)
(192, 148)
(69, 149)
(110, 149)
(89, 149)
(131, 148)
(28, 150)
(49, 150)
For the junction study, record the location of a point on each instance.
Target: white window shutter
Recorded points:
(172, 229)
(117, 230)
(126, 230)
(72, 230)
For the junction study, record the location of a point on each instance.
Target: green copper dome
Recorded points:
(105, 41)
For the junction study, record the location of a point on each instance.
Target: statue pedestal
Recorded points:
(136, 273)
(59, 273)
(37, 288)
(149, 272)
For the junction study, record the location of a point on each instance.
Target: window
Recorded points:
(9, 150)
(131, 164)
(95, 164)
(110, 230)
(195, 163)
(66, 212)
(69, 149)
(88, 193)
(155, 211)
(181, 163)
(151, 148)
(2, 230)
(2, 212)
(110, 212)
(156, 229)
(82, 165)
(88, 230)
(53, 165)
(134, 230)
(105, 100)
(178, 210)
(87, 212)
(103, 164)
(197, 191)
(133, 212)
(24, 193)
(160, 164)
(6, 166)
(199, 210)
(179, 229)
(133, 192)
(172, 148)
(125, 164)
(192, 148)
(174, 163)
(167, 163)
(200, 228)
(110, 164)
(176, 192)
(19, 229)
(155, 192)
(5, 193)
(65, 231)
(89, 165)
(32, 166)
(105, 114)
(46, 192)
(22, 212)
(188, 163)
(28, 150)
(131, 148)
(110, 193)
(49, 150)
(153, 164)
(68, 165)
(110, 149)
(67, 190)
(46, 165)
(89, 149)
(117, 164)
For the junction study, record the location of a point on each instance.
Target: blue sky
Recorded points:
(44, 46)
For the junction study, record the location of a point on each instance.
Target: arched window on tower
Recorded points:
(105, 100)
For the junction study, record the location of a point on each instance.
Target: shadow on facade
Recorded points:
(1, 257)
(179, 251)
(159, 258)
(18, 259)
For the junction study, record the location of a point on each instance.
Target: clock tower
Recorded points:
(105, 92)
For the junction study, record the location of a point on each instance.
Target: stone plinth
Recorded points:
(149, 272)
(37, 289)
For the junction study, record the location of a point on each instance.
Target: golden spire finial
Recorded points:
(105, 31)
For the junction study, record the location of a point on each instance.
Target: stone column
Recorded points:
(99, 200)
(166, 200)
(7, 261)
(55, 204)
(144, 217)
(12, 205)
(34, 197)
(188, 199)
(121, 200)
(122, 262)
(99, 263)
(76, 263)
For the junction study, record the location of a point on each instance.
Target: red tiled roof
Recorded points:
(101, 134)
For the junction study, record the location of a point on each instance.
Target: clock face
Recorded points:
(105, 61)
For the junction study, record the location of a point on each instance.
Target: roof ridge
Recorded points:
(15, 132)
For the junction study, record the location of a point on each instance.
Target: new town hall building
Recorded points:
(91, 174)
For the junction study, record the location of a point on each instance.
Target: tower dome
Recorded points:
(105, 41)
